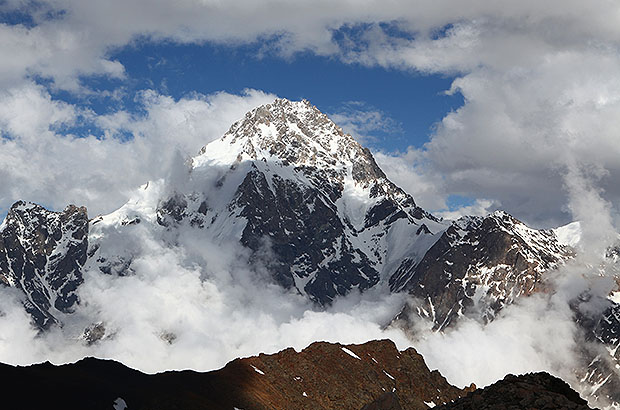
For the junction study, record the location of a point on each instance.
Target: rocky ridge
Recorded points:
(369, 376)
(287, 182)
(533, 391)
(478, 266)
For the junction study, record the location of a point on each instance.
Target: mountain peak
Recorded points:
(319, 197)
(297, 134)
(42, 253)
(288, 132)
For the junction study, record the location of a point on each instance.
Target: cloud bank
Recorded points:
(196, 304)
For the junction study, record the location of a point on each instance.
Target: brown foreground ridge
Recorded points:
(369, 376)
(322, 376)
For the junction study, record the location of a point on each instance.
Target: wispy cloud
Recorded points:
(366, 123)
(42, 163)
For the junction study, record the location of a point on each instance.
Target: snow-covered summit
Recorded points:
(297, 135)
(287, 182)
(307, 206)
(287, 132)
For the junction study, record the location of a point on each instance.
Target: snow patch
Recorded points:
(615, 297)
(119, 404)
(350, 353)
(389, 375)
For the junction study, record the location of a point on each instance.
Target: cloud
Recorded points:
(42, 161)
(520, 133)
(523, 132)
(367, 124)
(29, 112)
(71, 37)
(535, 334)
(537, 135)
(480, 207)
(410, 172)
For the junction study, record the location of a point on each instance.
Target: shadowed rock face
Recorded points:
(300, 239)
(370, 376)
(41, 253)
(322, 376)
(335, 377)
(387, 401)
(312, 206)
(535, 391)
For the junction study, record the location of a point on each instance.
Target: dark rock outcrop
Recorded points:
(533, 391)
(370, 376)
(387, 401)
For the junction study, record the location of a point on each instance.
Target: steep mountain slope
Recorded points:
(42, 254)
(479, 265)
(286, 182)
(322, 376)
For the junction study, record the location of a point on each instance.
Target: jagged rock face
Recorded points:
(322, 376)
(529, 391)
(305, 242)
(479, 265)
(317, 212)
(292, 185)
(42, 253)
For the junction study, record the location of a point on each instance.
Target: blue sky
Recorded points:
(95, 96)
(411, 102)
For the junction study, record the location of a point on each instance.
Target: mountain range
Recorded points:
(313, 209)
